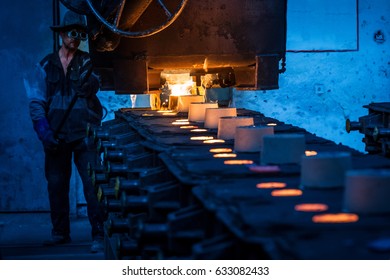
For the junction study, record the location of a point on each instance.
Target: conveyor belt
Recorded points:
(249, 217)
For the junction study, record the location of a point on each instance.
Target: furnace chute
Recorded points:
(242, 43)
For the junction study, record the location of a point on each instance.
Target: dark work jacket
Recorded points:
(53, 96)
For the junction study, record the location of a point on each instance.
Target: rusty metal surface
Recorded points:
(237, 34)
(232, 32)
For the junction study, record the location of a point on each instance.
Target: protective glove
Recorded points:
(89, 87)
(45, 134)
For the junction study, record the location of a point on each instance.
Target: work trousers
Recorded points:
(58, 170)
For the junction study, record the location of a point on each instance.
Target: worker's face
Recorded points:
(71, 38)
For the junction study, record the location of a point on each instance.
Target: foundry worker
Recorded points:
(62, 101)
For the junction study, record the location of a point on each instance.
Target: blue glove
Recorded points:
(45, 134)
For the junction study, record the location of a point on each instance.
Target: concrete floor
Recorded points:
(22, 234)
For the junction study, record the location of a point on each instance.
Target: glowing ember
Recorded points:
(310, 153)
(214, 141)
(238, 162)
(199, 130)
(221, 150)
(200, 138)
(179, 123)
(188, 126)
(311, 207)
(271, 185)
(225, 155)
(264, 168)
(147, 115)
(271, 124)
(169, 114)
(335, 218)
(287, 192)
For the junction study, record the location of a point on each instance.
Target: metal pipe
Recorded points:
(56, 21)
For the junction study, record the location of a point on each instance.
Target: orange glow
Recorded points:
(264, 168)
(197, 138)
(310, 153)
(238, 162)
(178, 83)
(180, 123)
(198, 130)
(271, 185)
(214, 141)
(164, 111)
(221, 150)
(225, 155)
(182, 120)
(335, 218)
(169, 114)
(147, 115)
(271, 124)
(311, 207)
(182, 88)
(188, 126)
(286, 192)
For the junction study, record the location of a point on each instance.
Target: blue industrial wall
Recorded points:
(26, 38)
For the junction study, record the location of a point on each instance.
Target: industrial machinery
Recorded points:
(375, 126)
(218, 43)
(171, 189)
(178, 192)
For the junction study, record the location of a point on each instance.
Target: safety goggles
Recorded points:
(74, 34)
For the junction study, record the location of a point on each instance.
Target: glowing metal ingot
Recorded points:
(250, 138)
(336, 218)
(213, 115)
(188, 127)
(220, 150)
(179, 123)
(238, 162)
(310, 153)
(199, 130)
(271, 124)
(200, 138)
(227, 126)
(214, 141)
(197, 110)
(311, 207)
(271, 185)
(286, 192)
(367, 191)
(184, 101)
(223, 155)
(282, 148)
(325, 170)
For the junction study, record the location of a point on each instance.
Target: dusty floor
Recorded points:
(22, 234)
